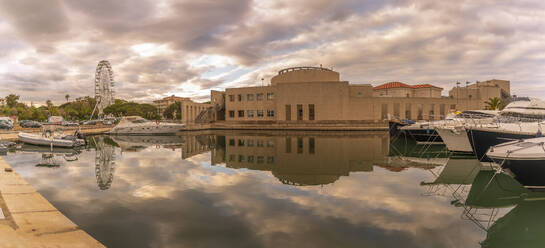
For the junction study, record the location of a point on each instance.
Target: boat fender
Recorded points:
(157, 122)
(428, 130)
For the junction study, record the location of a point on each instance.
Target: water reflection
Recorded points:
(104, 160)
(259, 189)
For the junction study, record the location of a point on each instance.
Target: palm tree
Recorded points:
(67, 97)
(494, 103)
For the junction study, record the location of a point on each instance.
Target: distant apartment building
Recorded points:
(190, 110)
(317, 95)
(163, 104)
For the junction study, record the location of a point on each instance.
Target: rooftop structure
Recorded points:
(398, 89)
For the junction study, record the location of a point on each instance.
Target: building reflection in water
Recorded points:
(293, 158)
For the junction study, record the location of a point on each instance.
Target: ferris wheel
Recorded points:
(104, 84)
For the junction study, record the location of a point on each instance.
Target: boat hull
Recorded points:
(530, 173)
(148, 130)
(424, 135)
(41, 141)
(455, 140)
(481, 140)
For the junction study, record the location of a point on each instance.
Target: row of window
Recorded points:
(270, 143)
(251, 158)
(419, 109)
(300, 112)
(250, 142)
(251, 113)
(250, 97)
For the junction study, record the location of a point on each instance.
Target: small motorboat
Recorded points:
(523, 158)
(53, 139)
(136, 125)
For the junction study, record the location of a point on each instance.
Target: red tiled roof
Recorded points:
(402, 85)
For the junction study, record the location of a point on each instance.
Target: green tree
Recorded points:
(67, 97)
(11, 100)
(494, 104)
(176, 107)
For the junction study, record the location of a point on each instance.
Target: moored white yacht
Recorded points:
(426, 131)
(136, 125)
(453, 133)
(521, 119)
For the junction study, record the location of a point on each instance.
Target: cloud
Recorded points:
(152, 45)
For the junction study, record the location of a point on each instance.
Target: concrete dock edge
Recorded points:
(30, 220)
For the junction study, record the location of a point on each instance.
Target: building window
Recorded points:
(240, 158)
(260, 159)
(360, 94)
(240, 142)
(250, 143)
(270, 160)
(452, 106)
(240, 98)
(231, 142)
(270, 143)
(260, 96)
(288, 112)
(250, 97)
(396, 110)
(299, 112)
(288, 145)
(260, 113)
(250, 159)
(241, 113)
(311, 148)
(270, 96)
(231, 157)
(442, 110)
(420, 111)
(232, 113)
(408, 111)
(432, 112)
(384, 111)
(311, 112)
(299, 145)
(232, 98)
(259, 143)
(270, 113)
(250, 113)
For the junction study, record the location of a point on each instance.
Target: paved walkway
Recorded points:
(29, 220)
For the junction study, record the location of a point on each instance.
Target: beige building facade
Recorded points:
(190, 110)
(317, 95)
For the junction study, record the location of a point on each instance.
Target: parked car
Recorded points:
(30, 124)
(91, 122)
(55, 120)
(69, 124)
(5, 125)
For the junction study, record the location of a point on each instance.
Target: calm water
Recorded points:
(244, 189)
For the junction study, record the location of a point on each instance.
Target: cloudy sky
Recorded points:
(163, 47)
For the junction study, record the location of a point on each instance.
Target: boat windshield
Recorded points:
(507, 117)
(474, 115)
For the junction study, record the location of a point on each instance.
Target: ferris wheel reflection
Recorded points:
(104, 162)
